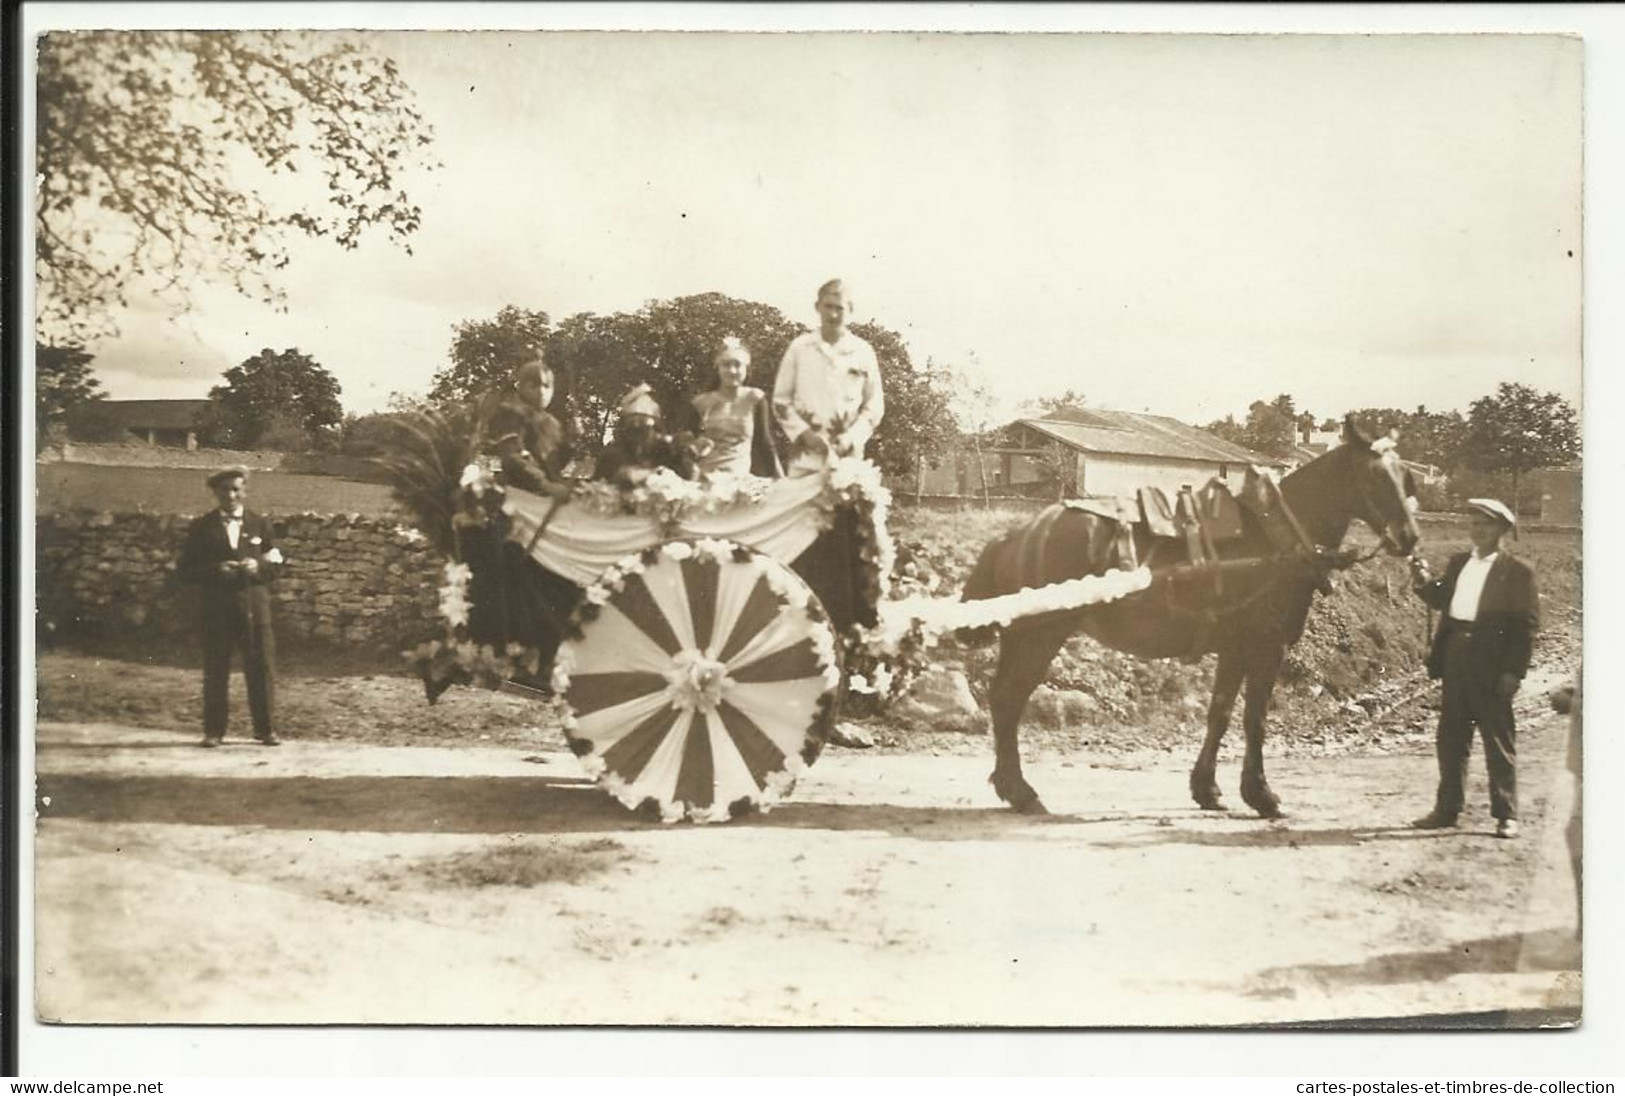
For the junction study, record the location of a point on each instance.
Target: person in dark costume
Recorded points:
(640, 446)
(230, 555)
(513, 599)
(1490, 611)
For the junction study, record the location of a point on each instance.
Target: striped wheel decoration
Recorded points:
(702, 680)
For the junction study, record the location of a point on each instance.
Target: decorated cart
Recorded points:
(705, 629)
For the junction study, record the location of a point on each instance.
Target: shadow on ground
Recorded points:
(463, 804)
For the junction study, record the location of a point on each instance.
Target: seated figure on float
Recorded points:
(640, 446)
(732, 421)
(515, 604)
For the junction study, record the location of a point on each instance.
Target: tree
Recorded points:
(484, 353)
(1271, 427)
(62, 381)
(272, 391)
(1069, 400)
(974, 405)
(1426, 437)
(147, 140)
(919, 421)
(1519, 429)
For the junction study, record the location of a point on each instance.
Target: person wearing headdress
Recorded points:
(639, 445)
(827, 396)
(231, 556)
(731, 423)
(1489, 613)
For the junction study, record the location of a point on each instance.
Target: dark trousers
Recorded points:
(1468, 701)
(221, 640)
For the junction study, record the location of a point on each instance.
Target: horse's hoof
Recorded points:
(1211, 804)
(1033, 805)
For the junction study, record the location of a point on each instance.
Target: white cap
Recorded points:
(1495, 509)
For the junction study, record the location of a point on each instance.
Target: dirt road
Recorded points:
(331, 882)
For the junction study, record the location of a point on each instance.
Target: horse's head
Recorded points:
(1385, 491)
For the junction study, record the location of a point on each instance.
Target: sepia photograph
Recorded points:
(811, 529)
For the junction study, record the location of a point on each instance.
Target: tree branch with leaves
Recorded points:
(147, 139)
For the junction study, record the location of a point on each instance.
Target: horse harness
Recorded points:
(1197, 522)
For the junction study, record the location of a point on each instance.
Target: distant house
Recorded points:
(171, 424)
(1095, 452)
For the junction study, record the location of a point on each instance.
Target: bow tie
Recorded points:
(228, 516)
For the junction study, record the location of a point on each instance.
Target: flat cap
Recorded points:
(230, 471)
(1495, 509)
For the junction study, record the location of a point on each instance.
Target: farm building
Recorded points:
(1094, 452)
(171, 424)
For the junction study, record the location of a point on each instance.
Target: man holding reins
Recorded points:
(1490, 613)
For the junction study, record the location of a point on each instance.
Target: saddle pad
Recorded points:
(1218, 510)
(1159, 513)
(1108, 506)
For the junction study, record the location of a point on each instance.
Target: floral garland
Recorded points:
(923, 620)
(669, 498)
(456, 659)
(856, 482)
(795, 596)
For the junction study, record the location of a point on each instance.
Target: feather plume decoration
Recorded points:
(423, 460)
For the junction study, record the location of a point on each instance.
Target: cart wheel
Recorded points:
(702, 680)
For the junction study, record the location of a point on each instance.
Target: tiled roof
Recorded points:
(146, 414)
(1136, 434)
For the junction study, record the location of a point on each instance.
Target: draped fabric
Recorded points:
(578, 543)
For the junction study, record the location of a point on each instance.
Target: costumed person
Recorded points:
(732, 423)
(639, 446)
(528, 440)
(512, 598)
(828, 399)
(827, 396)
(1490, 611)
(230, 556)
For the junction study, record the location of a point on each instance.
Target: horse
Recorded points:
(1249, 608)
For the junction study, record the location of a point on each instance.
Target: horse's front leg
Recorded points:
(1226, 684)
(1262, 669)
(1025, 652)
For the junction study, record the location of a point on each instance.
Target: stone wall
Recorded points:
(349, 581)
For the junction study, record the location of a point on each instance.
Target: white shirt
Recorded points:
(1470, 586)
(833, 388)
(234, 527)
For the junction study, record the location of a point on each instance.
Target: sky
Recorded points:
(1181, 224)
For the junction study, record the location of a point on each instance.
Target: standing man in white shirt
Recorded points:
(827, 395)
(230, 557)
(1481, 651)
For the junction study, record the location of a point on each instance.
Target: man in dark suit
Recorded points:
(1490, 611)
(230, 556)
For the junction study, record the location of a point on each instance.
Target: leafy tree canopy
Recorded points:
(484, 353)
(148, 142)
(271, 394)
(1519, 429)
(1271, 426)
(63, 380)
(669, 345)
